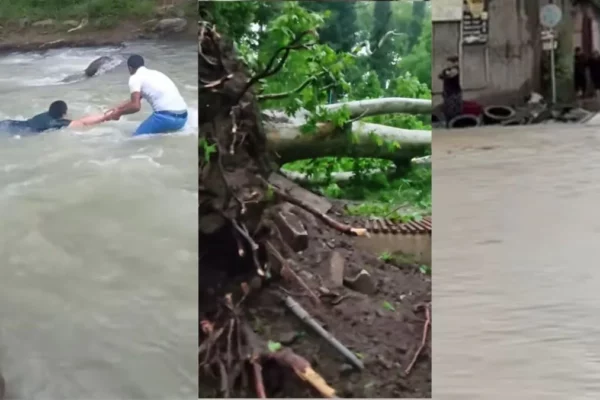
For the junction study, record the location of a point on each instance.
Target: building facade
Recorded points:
(499, 44)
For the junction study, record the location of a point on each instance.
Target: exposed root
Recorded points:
(241, 247)
(235, 232)
(423, 340)
(229, 363)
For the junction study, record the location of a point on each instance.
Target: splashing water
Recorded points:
(98, 244)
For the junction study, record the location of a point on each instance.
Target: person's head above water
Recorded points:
(134, 62)
(58, 109)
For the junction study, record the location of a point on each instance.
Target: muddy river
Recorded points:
(98, 237)
(515, 250)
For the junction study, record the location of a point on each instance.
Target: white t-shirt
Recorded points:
(157, 89)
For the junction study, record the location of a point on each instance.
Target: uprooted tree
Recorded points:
(235, 233)
(239, 148)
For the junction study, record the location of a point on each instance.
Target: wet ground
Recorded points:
(384, 329)
(516, 238)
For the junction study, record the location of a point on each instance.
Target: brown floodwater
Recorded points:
(515, 259)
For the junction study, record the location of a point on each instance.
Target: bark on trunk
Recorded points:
(285, 139)
(231, 196)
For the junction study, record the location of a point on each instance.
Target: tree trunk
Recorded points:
(230, 175)
(285, 138)
(235, 233)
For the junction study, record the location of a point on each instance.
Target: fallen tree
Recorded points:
(387, 105)
(359, 139)
(242, 248)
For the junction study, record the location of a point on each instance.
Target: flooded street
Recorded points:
(515, 250)
(98, 236)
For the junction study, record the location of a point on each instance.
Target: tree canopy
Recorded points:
(346, 51)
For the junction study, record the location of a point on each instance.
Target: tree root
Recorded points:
(424, 338)
(230, 362)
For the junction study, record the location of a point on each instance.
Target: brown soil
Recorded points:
(14, 38)
(385, 339)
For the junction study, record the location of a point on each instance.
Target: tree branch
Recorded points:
(277, 96)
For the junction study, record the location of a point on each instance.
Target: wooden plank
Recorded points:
(318, 202)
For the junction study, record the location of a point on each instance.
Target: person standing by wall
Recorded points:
(452, 92)
(594, 66)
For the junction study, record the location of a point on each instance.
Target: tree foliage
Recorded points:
(353, 51)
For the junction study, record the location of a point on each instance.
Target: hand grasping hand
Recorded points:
(112, 115)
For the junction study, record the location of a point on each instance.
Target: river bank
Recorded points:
(24, 34)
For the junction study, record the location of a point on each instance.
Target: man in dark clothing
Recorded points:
(452, 94)
(594, 66)
(579, 71)
(52, 119)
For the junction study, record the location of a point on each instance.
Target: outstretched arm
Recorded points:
(89, 120)
(134, 104)
(129, 107)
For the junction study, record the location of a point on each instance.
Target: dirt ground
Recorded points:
(383, 329)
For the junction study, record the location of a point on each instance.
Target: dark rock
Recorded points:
(292, 230)
(288, 338)
(362, 283)
(95, 65)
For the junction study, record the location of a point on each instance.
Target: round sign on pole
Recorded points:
(550, 15)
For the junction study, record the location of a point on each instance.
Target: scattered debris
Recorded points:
(336, 267)
(292, 230)
(497, 114)
(362, 283)
(534, 111)
(301, 313)
(465, 121)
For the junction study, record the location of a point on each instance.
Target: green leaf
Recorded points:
(274, 346)
(388, 306)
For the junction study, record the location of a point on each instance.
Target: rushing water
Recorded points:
(517, 285)
(98, 237)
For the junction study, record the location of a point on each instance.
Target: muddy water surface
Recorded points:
(515, 254)
(98, 236)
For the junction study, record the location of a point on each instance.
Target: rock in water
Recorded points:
(95, 65)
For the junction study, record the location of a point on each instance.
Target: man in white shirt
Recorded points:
(168, 106)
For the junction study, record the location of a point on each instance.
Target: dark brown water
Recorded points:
(515, 254)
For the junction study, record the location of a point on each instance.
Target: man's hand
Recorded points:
(112, 115)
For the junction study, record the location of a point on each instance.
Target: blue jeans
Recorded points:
(162, 122)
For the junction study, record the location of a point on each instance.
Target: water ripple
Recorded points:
(98, 255)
